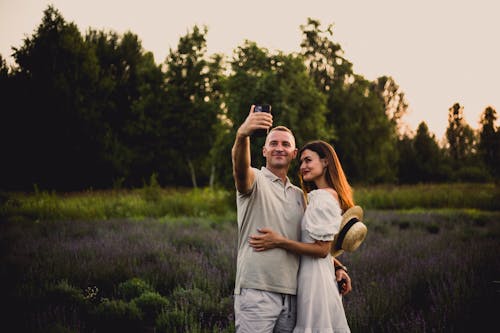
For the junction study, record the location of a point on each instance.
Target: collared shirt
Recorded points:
(279, 206)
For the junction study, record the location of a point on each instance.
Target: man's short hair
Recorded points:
(282, 129)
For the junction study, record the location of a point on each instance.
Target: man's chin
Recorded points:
(280, 164)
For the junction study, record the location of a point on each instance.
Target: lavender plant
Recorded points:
(177, 274)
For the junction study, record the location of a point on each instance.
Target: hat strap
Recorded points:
(344, 231)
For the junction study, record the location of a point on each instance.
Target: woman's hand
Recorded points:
(345, 286)
(266, 240)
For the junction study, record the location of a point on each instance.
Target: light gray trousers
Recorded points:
(258, 311)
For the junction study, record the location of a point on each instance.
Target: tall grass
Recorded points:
(142, 203)
(416, 272)
(430, 196)
(155, 202)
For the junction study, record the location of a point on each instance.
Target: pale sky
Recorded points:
(438, 51)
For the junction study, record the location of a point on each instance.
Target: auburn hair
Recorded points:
(335, 176)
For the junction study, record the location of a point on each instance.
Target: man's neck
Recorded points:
(278, 172)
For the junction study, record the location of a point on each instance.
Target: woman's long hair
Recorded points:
(334, 174)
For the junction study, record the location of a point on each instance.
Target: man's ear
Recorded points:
(264, 151)
(295, 152)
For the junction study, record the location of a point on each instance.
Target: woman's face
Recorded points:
(312, 167)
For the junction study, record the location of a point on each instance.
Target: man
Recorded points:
(266, 282)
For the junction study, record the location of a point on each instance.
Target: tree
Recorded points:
(394, 99)
(323, 57)
(427, 155)
(365, 138)
(58, 72)
(280, 80)
(193, 102)
(489, 141)
(407, 161)
(459, 134)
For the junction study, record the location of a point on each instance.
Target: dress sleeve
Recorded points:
(323, 217)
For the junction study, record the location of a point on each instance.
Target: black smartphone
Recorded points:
(342, 283)
(261, 108)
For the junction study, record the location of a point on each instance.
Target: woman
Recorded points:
(319, 304)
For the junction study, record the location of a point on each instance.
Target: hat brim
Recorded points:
(354, 236)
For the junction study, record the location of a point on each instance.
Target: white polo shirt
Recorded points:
(270, 203)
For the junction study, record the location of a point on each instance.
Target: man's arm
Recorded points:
(268, 239)
(242, 172)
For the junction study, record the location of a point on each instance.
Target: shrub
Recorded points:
(174, 321)
(432, 228)
(117, 316)
(152, 192)
(151, 304)
(209, 311)
(65, 294)
(133, 288)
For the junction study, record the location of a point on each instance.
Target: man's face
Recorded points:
(279, 149)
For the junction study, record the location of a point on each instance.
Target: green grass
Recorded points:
(102, 205)
(429, 196)
(155, 202)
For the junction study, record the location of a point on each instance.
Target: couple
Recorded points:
(274, 228)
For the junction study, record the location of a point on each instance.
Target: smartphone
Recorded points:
(261, 108)
(342, 283)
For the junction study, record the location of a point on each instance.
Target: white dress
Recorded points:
(319, 304)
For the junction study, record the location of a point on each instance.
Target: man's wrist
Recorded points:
(241, 136)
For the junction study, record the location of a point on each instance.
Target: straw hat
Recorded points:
(352, 232)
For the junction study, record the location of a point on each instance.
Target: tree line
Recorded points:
(94, 110)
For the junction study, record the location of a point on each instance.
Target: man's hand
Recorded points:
(255, 121)
(345, 286)
(268, 239)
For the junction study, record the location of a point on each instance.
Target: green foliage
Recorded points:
(280, 80)
(102, 114)
(219, 204)
(459, 135)
(175, 321)
(428, 196)
(151, 201)
(366, 142)
(152, 191)
(421, 159)
(133, 288)
(489, 142)
(117, 315)
(193, 96)
(151, 304)
(66, 294)
(365, 138)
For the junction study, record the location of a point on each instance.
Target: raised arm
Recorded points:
(240, 154)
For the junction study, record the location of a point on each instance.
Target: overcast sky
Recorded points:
(438, 51)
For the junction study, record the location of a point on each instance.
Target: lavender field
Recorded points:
(418, 271)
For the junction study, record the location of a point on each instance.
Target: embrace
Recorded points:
(287, 279)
